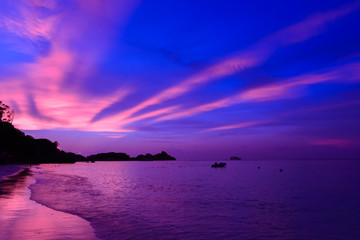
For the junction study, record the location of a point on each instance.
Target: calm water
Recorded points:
(191, 200)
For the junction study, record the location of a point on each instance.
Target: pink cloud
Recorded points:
(331, 142)
(235, 126)
(113, 135)
(60, 104)
(28, 24)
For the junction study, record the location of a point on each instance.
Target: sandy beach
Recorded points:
(22, 218)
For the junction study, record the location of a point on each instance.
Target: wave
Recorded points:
(110, 214)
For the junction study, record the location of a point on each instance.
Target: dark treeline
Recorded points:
(17, 147)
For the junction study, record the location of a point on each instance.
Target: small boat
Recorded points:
(218, 165)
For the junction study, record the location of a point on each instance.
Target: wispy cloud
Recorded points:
(280, 90)
(235, 126)
(280, 116)
(113, 135)
(254, 56)
(115, 123)
(41, 89)
(334, 142)
(28, 23)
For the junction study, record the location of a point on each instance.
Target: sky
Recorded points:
(199, 79)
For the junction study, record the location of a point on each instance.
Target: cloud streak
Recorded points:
(333, 142)
(256, 55)
(280, 90)
(298, 112)
(236, 126)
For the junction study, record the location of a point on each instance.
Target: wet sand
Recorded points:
(22, 218)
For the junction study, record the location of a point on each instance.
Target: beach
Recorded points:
(22, 218)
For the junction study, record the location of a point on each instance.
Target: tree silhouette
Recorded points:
(6, 114)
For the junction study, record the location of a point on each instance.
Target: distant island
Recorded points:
(112, 156)
(18, 148)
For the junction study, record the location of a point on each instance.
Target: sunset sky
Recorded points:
(199, 79)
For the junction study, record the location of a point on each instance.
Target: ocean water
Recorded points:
(191, 200)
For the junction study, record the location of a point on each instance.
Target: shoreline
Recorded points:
(9, 170)
(23, 218)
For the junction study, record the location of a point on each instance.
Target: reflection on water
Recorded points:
(23, 219)
(191, 200)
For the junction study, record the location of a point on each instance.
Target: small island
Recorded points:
(18, 148)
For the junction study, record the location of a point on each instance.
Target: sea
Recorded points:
(192, 200)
